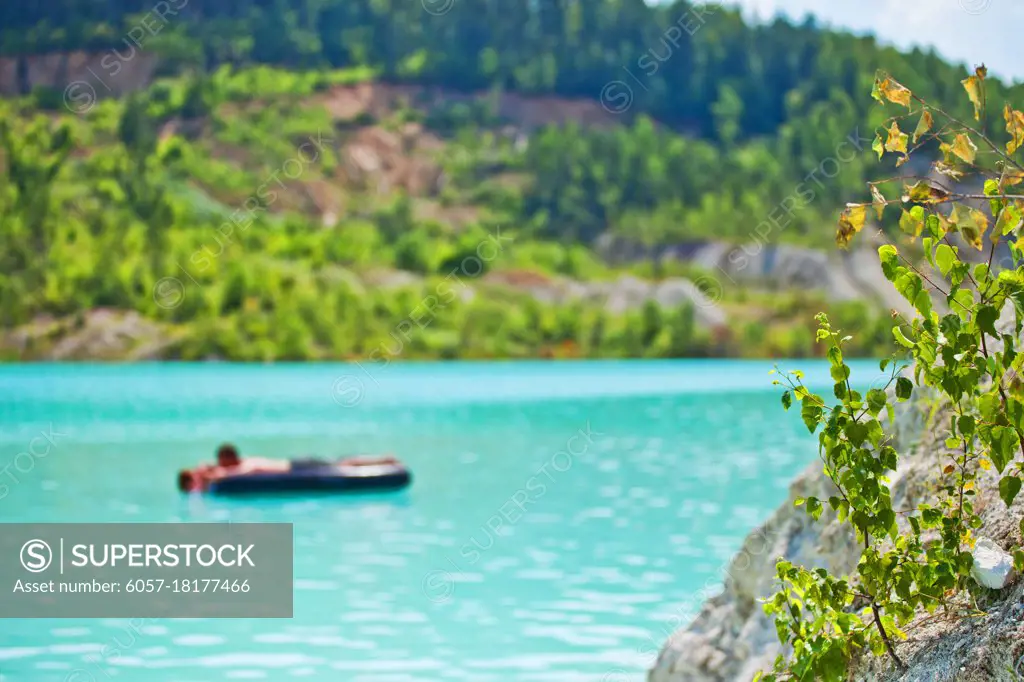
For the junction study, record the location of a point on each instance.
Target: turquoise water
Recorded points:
(508, 559)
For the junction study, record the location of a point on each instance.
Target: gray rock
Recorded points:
(629, 293)
(993, 568)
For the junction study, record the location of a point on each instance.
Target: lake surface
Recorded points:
(523, 550)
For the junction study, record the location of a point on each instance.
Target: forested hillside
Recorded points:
(558, 120)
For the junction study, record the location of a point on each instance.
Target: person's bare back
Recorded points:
(251, 465)
(229, 463)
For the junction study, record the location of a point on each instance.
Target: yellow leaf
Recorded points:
(980, 220)
(851, 222)
(923, 126)
(964, 148)
(972, 84)
(912, 222)
(1015, 127)
(878, 201)
(946, 169)
(945, 227)
(984, 464)
(897, 141)
(894, 92)
(924, 193)
(971, 223)
(1011, 177)
(1009, 220)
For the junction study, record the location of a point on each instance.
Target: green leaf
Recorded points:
(887, 253)
(1004, 444)
(1009, 486)
(877, 146)
(923, 304)
(988, 405)
(912, 221)
(887, 519)
(787, 400)
(811, 414)
(857, 433)
(901, 339)
(840, 372)
(876, 400)
(986, 317)
(962, 302)
(904, 388)
(945, 257)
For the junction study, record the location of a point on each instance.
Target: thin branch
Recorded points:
(922, 275)
(996, 148)
(980, 196)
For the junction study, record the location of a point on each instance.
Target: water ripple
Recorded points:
(550, 566)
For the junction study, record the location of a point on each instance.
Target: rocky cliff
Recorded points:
(731, 638)
(841, 276)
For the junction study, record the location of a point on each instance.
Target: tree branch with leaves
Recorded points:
(826, 621)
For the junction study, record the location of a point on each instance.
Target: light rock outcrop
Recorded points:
(841, 276)
(101, 334)
(621, 295)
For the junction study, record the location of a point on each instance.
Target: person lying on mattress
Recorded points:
(229, 462)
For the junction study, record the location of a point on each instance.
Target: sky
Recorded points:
(966, 31)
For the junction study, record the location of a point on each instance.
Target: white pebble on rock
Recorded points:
(993, 568)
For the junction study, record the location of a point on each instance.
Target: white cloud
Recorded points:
(968, 31)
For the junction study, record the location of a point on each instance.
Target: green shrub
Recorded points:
(962, 355)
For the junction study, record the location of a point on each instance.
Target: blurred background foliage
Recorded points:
(207, 176)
